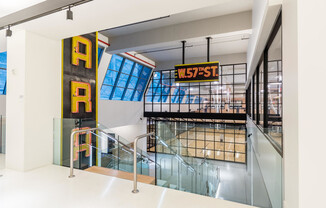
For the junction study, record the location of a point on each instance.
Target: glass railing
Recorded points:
(100, 149)
(172, 168)
(180, 172)
(2, 134)
(264, 168)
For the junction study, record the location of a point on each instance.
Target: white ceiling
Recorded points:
(223, 8)
(10, 6)
(224, 44)
(98, 15)
(236, 42)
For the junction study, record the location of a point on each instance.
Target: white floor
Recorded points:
(50, 187)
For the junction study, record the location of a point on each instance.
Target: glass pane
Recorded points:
(261, 94)
(115, 62)
(227, 79)
(117, 93)
(165, 93)
(110, 77)
(123, 80)
(127, 66)
(227, 70)
(3, 79)
(133, 82)
(157, 75)
(137, 96)
(240, 79)
(3, 60)
(128, 94)
(141, 85)
(137, 70)
(100, 53)
(275, 91)
(146, 72)
(240, 69)
(106, 92)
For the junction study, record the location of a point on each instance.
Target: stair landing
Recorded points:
(121, 174)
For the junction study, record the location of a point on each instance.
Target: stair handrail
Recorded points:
(73, 132)
(129, 149)
(135, 190)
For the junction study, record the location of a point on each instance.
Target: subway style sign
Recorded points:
(200, 72)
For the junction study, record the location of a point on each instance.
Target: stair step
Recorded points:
(121, 174)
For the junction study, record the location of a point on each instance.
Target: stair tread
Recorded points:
(121, 174)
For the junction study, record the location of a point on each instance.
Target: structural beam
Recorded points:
(205, 27)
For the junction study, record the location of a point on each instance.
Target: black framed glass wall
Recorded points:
(217, 140)
(275, 84)
(266, 88)
(226, 96)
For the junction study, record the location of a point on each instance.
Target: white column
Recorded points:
(304, 69)
(33, 99)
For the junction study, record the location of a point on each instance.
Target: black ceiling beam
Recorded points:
(222, 116)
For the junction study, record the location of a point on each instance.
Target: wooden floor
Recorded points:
(121, 174)
(228, 144)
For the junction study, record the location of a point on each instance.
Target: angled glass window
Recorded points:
(3, 72)
(125, 80)
(100, 53)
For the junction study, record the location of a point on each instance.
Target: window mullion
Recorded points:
(154, 93)
(134, 92)
(117, 79)
(128, 81)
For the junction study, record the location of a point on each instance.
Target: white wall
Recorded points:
(3, 41)
(264, 16)
(114, 113)
(33, 99)
(3, 105)
(130, 132)
(259, 11)
(223, 59)
(304, 86)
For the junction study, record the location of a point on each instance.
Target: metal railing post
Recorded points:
(72, 148)
(135, 190)
(71, 175)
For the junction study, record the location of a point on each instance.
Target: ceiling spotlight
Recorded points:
(8, 32)
(69, 14)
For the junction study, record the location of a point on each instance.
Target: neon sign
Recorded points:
(201, 72)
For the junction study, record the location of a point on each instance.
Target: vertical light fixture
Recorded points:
(8, 32)
(70, 15)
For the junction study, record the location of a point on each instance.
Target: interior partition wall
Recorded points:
(226, 96)
(216, 140)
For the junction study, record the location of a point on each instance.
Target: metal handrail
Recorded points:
(135, 190)
(108, 135)
(123, 145)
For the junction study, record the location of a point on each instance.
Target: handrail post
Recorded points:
(71, 175)
(135, 190)
(72, 155)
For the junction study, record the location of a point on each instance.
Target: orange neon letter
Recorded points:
(77, 55)
(76, 98)
(82, 147)
(182, 72)
(207, 72)
(214, 68)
